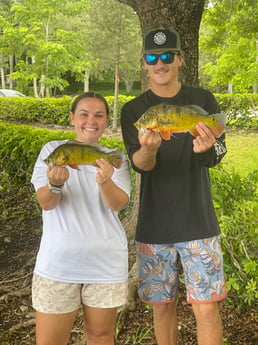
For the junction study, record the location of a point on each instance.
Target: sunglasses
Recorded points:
(152, 59)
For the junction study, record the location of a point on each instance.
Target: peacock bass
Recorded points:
(168, 119)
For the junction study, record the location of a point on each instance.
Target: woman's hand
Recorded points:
(104, 171)
(58, 175)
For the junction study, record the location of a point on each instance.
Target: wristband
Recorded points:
(55, 189)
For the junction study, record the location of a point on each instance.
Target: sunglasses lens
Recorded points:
(167, 57)
(151, 59)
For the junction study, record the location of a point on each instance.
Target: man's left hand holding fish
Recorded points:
(205, 140)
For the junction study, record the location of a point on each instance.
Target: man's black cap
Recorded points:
(161, 40)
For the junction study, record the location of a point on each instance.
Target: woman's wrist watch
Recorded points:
(55, 188)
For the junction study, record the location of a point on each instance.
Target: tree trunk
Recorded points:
(35, 81)
(35, 88)
(2, 78)
(86, 80)
(184, 16)
(11, 66)
(255, 87)
(115, 111)
(230, 87)
(42, 86)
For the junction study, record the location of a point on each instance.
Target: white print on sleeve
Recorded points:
(219, 149)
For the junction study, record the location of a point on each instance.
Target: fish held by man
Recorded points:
(168, 119)
(74, 153)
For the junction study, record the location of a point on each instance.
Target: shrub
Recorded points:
(242, 109)
(29, 109)
(236, 203)
(21, 144)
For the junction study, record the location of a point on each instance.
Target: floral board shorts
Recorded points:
(53, 297)
(202, 264)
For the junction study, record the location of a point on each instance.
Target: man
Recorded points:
(176, 213)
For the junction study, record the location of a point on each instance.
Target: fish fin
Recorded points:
(221, 118)
(117, 162)
(217, 130)
(193, 131)
(196, 109)
(74, 166)
(166, 135)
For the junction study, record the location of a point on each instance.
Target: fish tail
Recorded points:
(221, 118)
(117, 159)
(220, 125)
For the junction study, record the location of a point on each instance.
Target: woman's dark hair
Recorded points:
(89, 95)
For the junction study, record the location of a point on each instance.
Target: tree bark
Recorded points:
(86, 80)
(115, 109)
(2, 78)
(184, 16)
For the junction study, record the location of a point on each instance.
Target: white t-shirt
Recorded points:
(83, 241)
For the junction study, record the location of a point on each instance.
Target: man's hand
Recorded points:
(150, 140)
(205, 140)
(145, 157)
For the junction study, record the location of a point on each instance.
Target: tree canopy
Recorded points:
(42, 41)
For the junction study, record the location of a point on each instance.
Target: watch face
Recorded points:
(160, 38)
(55, 190)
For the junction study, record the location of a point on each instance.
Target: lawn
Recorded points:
(242, 151)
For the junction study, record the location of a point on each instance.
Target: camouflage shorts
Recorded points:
(53, 297)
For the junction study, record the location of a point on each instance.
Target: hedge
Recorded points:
(21, 144)
(241, 109)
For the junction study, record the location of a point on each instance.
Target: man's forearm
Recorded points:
(144, 159)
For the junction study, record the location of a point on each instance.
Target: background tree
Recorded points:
(115, 42)
(184, 16)
(229, 43)
(40, 53)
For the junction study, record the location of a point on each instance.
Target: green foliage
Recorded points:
(242, 109)
(121, 101)
(228, 44)
(239, 107)
(236, 203)
(32, 31)
(21, 144)
(45, 110)
(19, 148)
(29, 109)
(141, 335)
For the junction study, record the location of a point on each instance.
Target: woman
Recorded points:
(83, 254)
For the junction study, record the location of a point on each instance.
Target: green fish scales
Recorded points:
(74, 153)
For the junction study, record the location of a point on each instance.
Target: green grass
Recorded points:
(242, 152)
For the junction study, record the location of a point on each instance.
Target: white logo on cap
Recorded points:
(160, 38)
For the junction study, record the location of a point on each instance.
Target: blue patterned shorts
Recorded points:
(202, 263)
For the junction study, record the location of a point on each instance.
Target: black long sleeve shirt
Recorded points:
(175, 196)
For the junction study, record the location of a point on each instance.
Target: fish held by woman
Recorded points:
(168, 119)
(74, 153)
